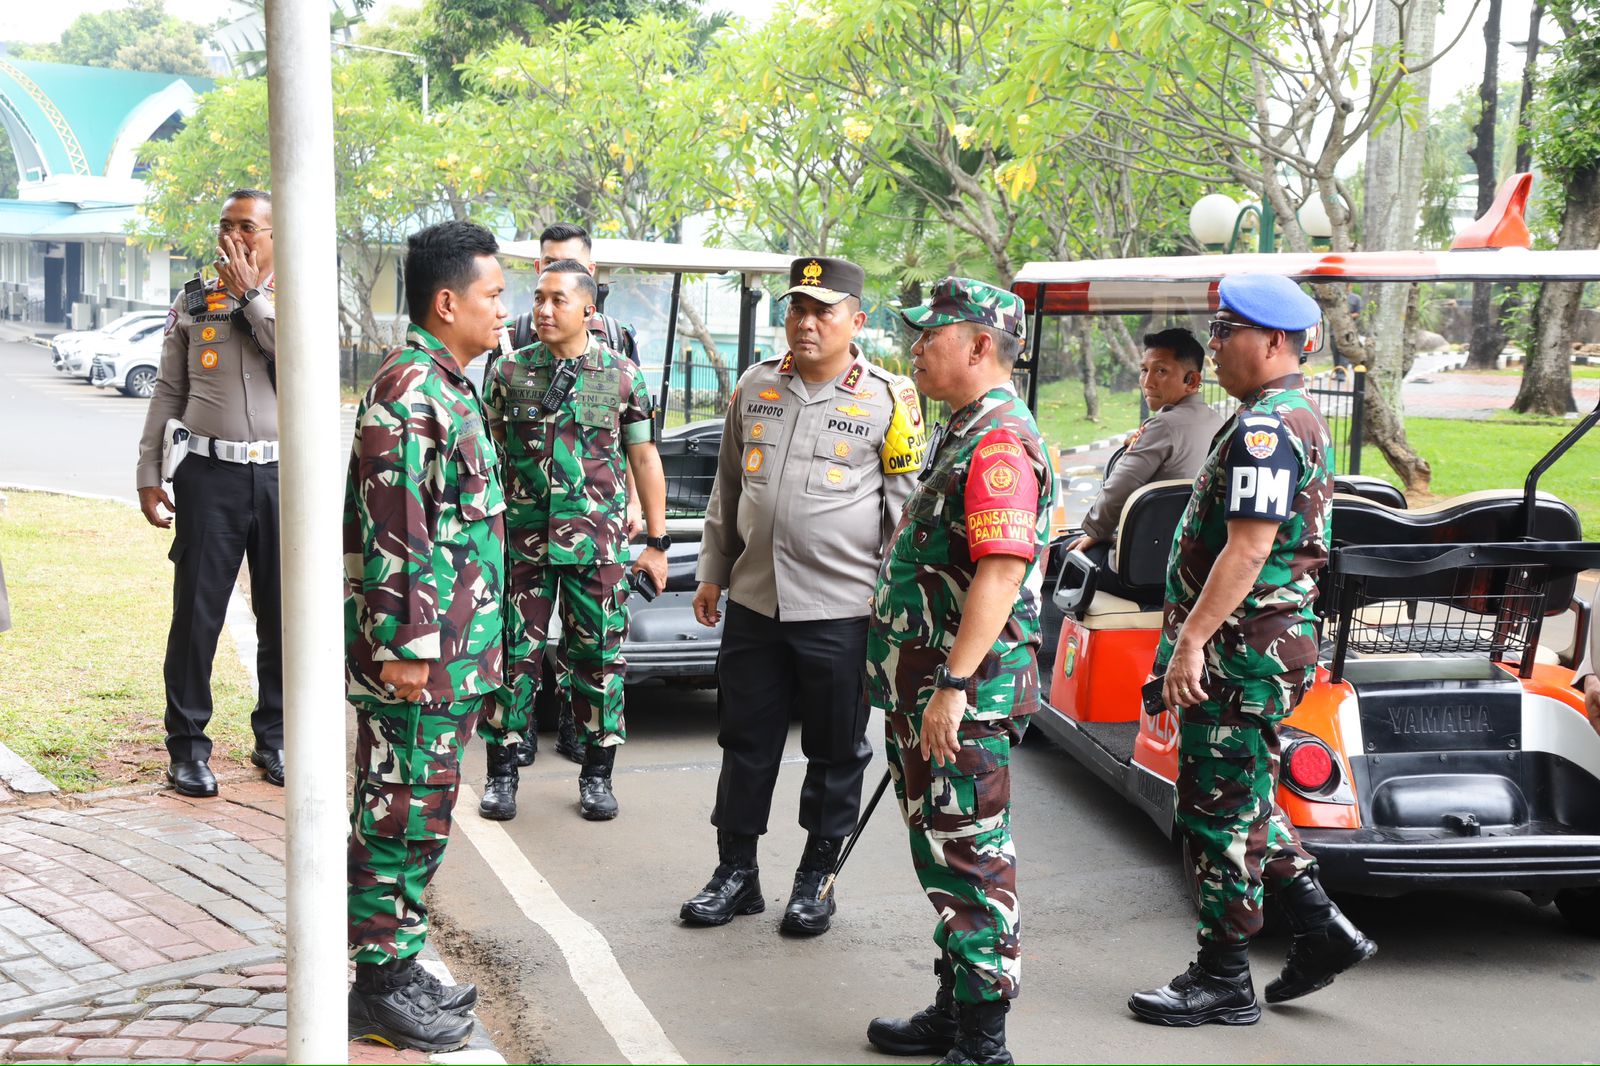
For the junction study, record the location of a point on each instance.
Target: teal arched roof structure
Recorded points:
(66, 120)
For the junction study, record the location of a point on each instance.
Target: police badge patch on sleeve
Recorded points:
(1262, 470)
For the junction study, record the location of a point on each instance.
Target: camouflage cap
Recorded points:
(965, 300)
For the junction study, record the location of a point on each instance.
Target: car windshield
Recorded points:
(128, 323)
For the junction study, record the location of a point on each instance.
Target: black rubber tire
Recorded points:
(1581, 908)
(140, 383)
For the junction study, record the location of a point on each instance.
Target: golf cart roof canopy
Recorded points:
(665, 257)
(1493, 248)
(1188, 283)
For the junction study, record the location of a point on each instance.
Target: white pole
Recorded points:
(300, 101)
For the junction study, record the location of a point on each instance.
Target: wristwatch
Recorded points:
(249, 294)
(661, 543)
(943, 678)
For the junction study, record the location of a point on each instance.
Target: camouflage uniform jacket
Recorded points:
(424, 543)
(566, 473)
(923, 581)
(1269, 461)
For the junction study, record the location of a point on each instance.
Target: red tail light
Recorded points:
(1309, 765)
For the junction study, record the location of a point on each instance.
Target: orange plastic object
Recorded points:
(1098, 673)
(1504, 224)
(1552, 681)
(1318, 714)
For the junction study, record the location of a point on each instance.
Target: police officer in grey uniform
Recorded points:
(218, 377)
(820, 449)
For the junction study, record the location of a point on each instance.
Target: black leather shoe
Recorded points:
(526, 750)
(930, 1031)
(192, 777)
(403, 1014)
(732, 891)
(806, 915)
(980, 1035)
(569, 745)
(1215, 988)
(596, 801)
(271, 762)
(451, 998)
(1325, 943)
(499, 802)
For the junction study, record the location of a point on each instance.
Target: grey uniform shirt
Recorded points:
(213, 376)
(1172, 443)
(808, 489)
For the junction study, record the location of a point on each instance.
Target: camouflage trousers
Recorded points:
(407, 772)
(1240, 842)
(959, 821)
(594, 621)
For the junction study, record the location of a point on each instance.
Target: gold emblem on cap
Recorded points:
(811, 273)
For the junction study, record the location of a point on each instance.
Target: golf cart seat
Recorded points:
(1125, 591)
(1371, 488)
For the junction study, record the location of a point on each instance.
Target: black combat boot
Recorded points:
(930, 1031)
(733, 890)
(569, 744)
(595, 799)
(981, 1036)
(499, 800)
(451, 998)
(1325, 944)
(1215, 988)
(528, 749)
(390, 1005)
(806, 915)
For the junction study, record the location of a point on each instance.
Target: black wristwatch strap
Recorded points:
(943, 678)
(661, 543)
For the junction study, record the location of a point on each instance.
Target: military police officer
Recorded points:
(575, 417)
(218, 378)
(819, 449)
(1238, 648)
(952, 659)
(424, 550)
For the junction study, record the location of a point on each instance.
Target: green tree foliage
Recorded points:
(140, 36)
(394, 173)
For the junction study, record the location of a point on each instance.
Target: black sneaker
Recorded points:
(406, 1018)
(451, 998)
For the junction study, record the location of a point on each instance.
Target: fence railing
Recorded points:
(695, 389)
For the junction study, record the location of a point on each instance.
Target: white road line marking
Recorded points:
(594, 968)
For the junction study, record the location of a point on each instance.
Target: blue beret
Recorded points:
(1270, 300)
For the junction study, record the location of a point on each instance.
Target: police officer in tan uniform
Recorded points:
(820, 449)
(218, 377)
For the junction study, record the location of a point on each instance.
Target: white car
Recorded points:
(131, 366)
(73, 351)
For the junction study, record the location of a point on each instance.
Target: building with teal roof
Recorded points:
(77, 133)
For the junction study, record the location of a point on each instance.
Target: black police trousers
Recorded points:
(767, 672)
(226, 512)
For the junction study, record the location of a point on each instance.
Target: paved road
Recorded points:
(1103, 908)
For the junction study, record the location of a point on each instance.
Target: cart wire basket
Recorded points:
(1451, 600)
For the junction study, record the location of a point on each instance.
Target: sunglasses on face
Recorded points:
(1221, 329)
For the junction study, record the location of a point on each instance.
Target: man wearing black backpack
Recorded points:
(560, 240)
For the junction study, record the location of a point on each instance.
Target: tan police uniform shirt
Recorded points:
(213, 375)
(1172, 443)
(809, 487)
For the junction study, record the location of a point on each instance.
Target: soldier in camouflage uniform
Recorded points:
(1238, 648)
(952, 659)
(566, 462)
(424, 552)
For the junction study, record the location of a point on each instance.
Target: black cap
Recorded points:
(825, 279)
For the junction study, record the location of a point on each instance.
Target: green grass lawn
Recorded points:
(1064, 420)
(1578, 372)
(81, 692)
(1467, 456)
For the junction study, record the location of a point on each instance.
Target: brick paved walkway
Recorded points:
(150, 927)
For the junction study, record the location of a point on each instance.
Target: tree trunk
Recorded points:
(1547, 373)
(690, 322)
(1487, 340)
(1394, 189)
(1525, 102)
(1127, 351)
(1091, 392)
